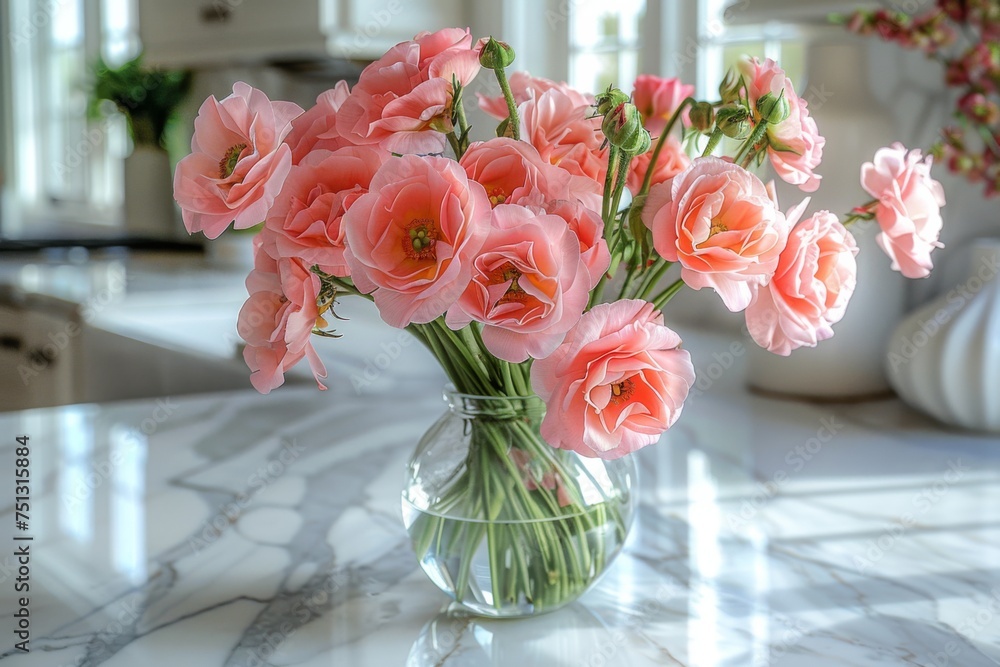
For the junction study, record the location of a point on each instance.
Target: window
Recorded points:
(605, 42)
(65, 168)
(613, 42)
(725, 41)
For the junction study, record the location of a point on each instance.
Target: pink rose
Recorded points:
(671, 161)
(566, 134)
(237, 161)
(588, 227)
(402, 101)
(524, 87)
(816, 276)
(657, 99)
(529, 286)
(277, 320)
(718, 221)
(795, 145)
(514, 173)
(909, 207)
(413, 238)
(316, 129)
(307, 215)
(617, 382)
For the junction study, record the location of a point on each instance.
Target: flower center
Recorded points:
(508, 272)
(622, 391)
(421, 239)
(717, 227)
(228, 162)
(497, 195)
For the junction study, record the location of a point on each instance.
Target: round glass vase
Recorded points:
(504, 523)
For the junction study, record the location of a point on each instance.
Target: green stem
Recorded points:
(648, 180)
(659, 269)
(597, 292)
(513, 122)
(609, 182)
(713, 141)
(463, 122)
(455, 144)
(666, 295)
(620, 179)
(751, 143)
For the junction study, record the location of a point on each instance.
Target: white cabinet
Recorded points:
(365, 29)
(198, 32)
(38, 351)
(192, 33)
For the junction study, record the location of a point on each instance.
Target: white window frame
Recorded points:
(681, 38)
(674, 33)
(29, 211)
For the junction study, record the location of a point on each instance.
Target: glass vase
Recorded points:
(504, 523)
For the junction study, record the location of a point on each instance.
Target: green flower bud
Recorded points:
(729, 89)
(702, 117)
(773, 109)
(609, 100)
(496, 54)
(734, 121)
(623, 128)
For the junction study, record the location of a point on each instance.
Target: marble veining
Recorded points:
(242, 530)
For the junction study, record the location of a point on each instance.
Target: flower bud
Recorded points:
(773, 109)
(609, 100)
(623, 128)
(729, 89)
(734, 121)
(496, 54)
(702, 117)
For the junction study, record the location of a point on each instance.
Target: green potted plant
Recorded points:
(149, 99)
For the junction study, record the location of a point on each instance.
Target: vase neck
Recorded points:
(493, 407)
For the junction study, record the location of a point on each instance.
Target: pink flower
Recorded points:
(402, 101)
(588, 227)
(566, 134)
(908, 209)
(316, 129)
(657, 99)
(413, 238)
(617, 382)
(524, 87)
(277, 320)
(718, 221)
(795, 145)
(307, 215)
(514, 173)
(816, 276)
(237, 161)
(529, 287)
(671, 161)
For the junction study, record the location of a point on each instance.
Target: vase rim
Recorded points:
(478, 404)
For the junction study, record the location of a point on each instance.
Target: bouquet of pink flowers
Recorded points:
(500, 255)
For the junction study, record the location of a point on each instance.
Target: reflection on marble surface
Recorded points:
(233, 529)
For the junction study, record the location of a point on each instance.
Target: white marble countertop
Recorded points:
(234, 529)
(239, 530)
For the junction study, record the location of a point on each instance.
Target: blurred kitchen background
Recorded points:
(86, 212)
